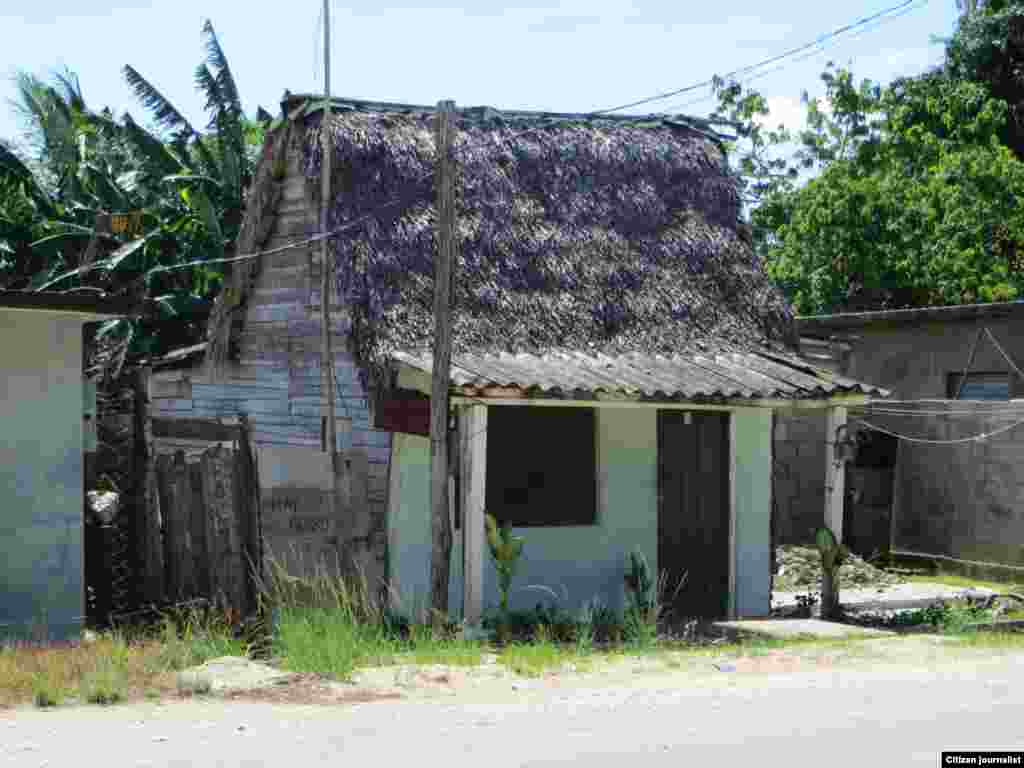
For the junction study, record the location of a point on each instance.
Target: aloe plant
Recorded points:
(639, 581)
(505, 552)
(833, 555)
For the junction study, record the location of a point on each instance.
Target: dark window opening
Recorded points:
(541, 466)
(979, 386)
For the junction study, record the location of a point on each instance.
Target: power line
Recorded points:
(959, 441)
(751, 67)
(810, 54)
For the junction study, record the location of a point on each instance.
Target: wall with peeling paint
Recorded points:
(41, 464)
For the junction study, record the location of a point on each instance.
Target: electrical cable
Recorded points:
(752, 67)
(959, 441)
(809, 54)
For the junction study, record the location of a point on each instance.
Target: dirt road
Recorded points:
(899, 713)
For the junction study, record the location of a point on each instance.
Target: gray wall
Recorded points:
(41, 547)
(962, 501)
(913, 360)
(799, 469)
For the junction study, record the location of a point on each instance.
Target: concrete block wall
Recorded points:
(799, 475)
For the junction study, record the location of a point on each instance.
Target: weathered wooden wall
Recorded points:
(204, 520)
(274, 380)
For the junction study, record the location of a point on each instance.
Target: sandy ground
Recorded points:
(890, 702)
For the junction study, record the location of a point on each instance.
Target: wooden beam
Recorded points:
(472, 426)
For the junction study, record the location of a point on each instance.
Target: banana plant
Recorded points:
(833, 555)
(505, 552)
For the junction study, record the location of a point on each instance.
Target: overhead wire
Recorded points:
(958, 441)
(771, 60)
(818, 50)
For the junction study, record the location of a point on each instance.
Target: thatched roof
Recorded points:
(596, 234)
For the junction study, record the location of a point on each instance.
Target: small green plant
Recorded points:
(505, 550)
(833, 555)
(639, 581)
(646, 600)
(585, 629)
(46, 691)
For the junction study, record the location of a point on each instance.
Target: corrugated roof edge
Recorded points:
(49, 301)
(810, 324)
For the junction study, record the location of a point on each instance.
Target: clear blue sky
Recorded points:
(532, 54)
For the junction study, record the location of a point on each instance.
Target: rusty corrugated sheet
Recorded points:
(731, 375)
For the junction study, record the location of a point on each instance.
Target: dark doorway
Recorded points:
(693, 513)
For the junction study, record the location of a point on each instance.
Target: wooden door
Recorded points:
(693, 510)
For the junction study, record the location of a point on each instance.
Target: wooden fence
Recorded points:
(203, 537)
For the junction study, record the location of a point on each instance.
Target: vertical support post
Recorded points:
(473, 479)
(835, 473)
(326, 272)
(441, 532)
(733, 475)
(835, 492)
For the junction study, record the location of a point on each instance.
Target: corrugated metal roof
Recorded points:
(728, 375)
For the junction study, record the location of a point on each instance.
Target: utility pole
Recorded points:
(326, 270)
(444, 260)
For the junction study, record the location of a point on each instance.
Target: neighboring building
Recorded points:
(618, 354)
(963, 500)
(44, 407)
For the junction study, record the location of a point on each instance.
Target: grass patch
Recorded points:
(533, 660)
(116, 666)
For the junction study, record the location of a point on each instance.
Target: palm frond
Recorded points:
(150, 147)
(219, 66)
(72, 88)
(207, 84)
(164, 112)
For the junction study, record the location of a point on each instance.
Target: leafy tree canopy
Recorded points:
(915, 187)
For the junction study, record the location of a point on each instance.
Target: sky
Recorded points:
(532, 54)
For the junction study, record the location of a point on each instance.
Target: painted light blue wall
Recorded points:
(752, 452)
(570, 565)
(409, 531)
(41, 546)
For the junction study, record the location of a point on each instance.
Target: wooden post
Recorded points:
(835, 493)
(473, 479)
(441, 533)
(326, 272)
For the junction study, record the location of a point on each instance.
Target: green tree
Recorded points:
(915, 202)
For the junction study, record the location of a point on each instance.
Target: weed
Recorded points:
(535, 659)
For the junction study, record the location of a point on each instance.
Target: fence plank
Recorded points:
(222, 530)
(197, 527)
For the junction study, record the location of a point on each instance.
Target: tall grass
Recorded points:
(331, 623)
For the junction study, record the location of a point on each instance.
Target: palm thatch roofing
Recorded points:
(576, 234)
